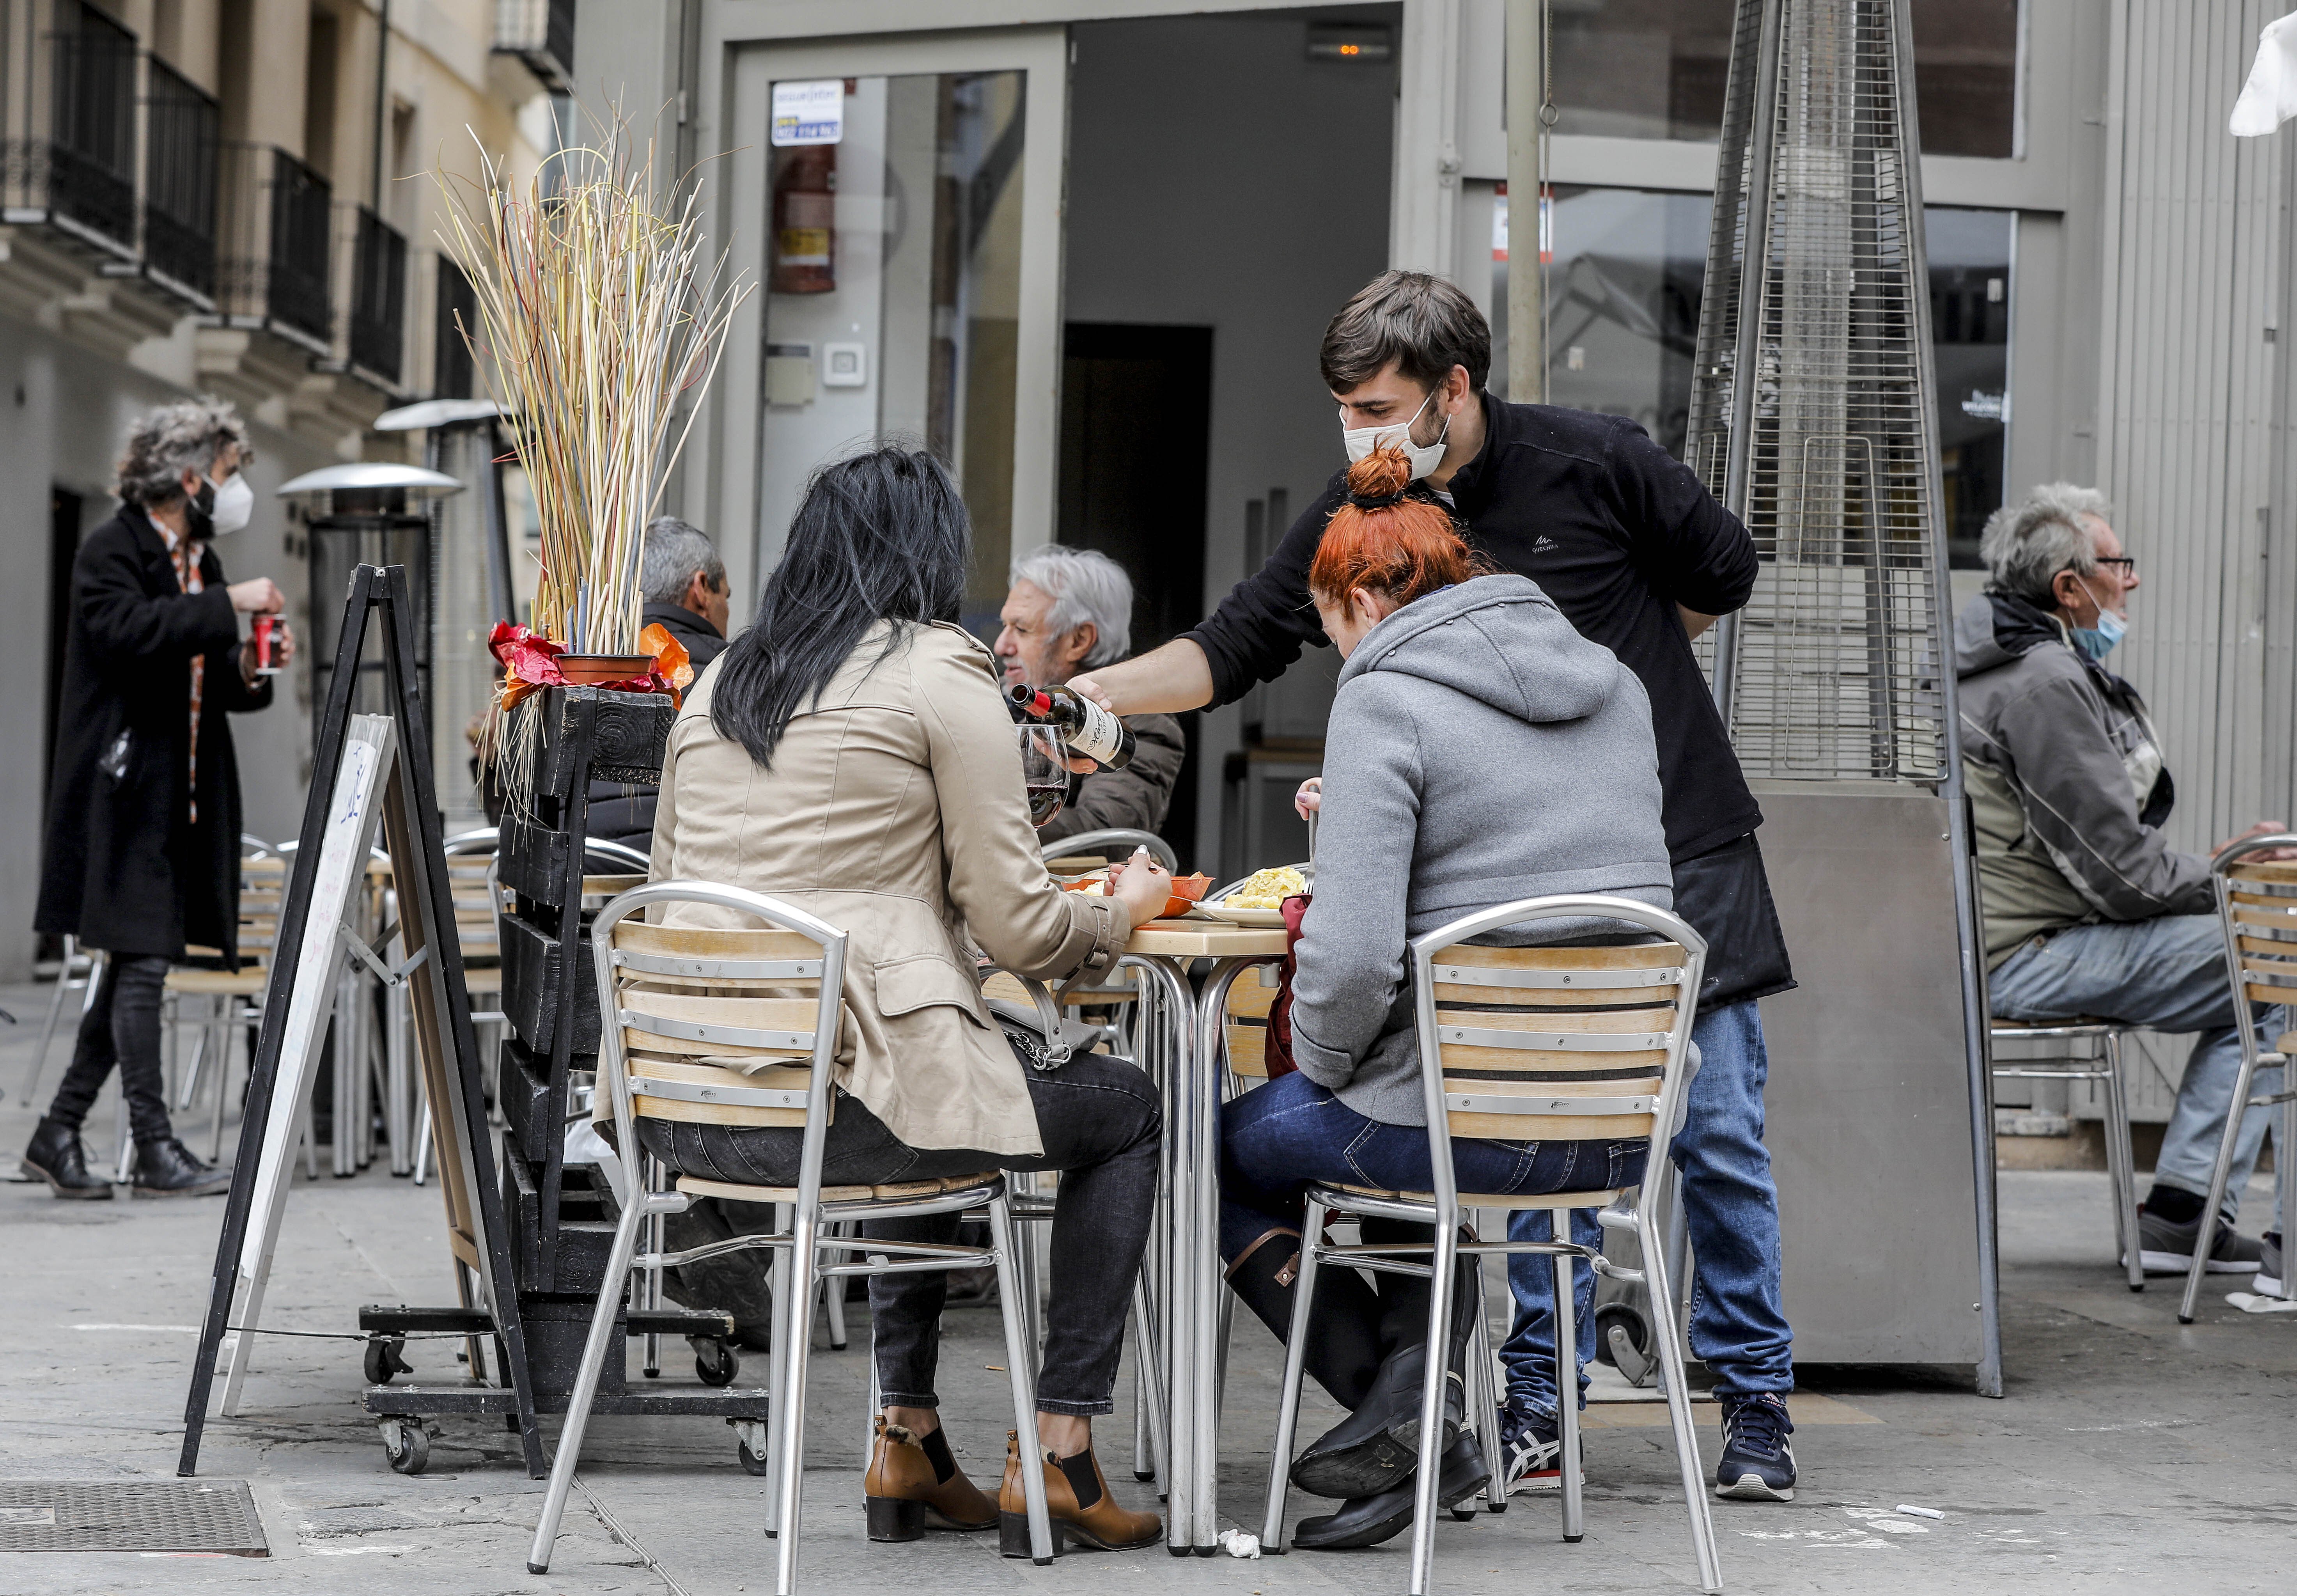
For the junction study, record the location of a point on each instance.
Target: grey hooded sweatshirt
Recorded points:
(1480, 750)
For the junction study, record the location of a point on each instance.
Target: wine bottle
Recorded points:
(1085, 727)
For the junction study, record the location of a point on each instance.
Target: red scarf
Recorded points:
(184, 554)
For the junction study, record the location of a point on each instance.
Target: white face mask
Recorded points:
(1424, 457)
(235, 503)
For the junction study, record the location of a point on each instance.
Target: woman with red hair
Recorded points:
(1482, 751)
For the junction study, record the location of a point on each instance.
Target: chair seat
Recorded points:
(219, 984)
(696, 1186)
(1553, 1201)
(484, 978)
(2282, 1044)
(2080, 1021)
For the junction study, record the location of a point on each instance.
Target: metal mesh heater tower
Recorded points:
(1828, 450)
(1812, 419)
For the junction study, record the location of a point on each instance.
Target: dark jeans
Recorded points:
(1102, 1126)
(122, 1027)
(1291, 1131)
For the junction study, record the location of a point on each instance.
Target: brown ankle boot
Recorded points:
(1077, 1499)
(914, 1484)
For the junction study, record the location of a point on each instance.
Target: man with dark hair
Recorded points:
(683, 582)
(1640, 557)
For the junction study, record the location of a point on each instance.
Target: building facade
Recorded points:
(230, 197)
(1086, 247)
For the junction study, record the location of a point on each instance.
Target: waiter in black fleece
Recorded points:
(1640, 557)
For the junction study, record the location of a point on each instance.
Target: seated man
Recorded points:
(683, 582)
(2087, 909)
(1071, 610)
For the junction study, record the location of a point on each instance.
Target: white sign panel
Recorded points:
(809, 112)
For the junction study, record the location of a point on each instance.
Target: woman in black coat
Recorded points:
(142, 851)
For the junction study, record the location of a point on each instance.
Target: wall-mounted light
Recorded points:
(1350, 42)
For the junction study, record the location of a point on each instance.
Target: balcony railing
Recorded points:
(68, 100)
(273, 247)
(185, 134)
(541, 34)
(377, 332)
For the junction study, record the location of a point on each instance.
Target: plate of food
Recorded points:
(1258, 899)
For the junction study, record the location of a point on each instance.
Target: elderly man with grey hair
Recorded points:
(2088, 908)
(683, 582)
(1071, 610)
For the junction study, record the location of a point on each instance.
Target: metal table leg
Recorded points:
(1168, 1033)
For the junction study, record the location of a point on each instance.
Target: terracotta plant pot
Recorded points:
(594, 669)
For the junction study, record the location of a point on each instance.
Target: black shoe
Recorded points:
(2168, 1249)
(1378, 1446)
(1758, 1458)
(165, 1168)
(56, 1156)
(1367, 1520)
(1531, 1450)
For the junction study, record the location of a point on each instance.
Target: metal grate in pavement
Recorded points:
(172, 1515)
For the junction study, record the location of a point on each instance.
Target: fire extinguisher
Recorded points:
(805, 234)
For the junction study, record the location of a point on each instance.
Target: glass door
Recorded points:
(903, 227)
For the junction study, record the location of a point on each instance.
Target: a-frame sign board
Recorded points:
(448, 1051)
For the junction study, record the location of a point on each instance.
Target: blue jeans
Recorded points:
(2167, 974)
(1731, 1206)
(1291, 1131)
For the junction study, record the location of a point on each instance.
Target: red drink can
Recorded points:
(263, 665)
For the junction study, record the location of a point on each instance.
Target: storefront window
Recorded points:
(1656, 69)
(1625, 278)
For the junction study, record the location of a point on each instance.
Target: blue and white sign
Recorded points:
(809, 112)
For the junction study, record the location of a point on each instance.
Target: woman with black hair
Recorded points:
(850, 753)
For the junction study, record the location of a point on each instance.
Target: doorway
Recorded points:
(1136, 423)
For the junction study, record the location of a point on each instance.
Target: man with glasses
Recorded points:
(2088, 908)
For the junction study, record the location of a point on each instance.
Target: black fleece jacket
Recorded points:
(1615, 530)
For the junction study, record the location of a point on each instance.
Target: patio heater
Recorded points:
(367, 513)
(1812, 418)
(471, 583)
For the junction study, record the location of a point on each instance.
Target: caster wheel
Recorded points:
(715, 1362)
(752, 1464)
(385, 1357)
(1626, 1317)
(406, 1444)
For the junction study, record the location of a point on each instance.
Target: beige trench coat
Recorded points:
(894, 810)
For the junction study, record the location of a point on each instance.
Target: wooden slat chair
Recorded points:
(1528, 1044)
(2257, 906)
(231, 1001)
(688, 1010)
(1250, 996)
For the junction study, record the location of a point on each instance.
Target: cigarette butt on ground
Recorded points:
(1918, 1513)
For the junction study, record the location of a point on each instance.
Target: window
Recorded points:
(1656, 69)
(1625, 282)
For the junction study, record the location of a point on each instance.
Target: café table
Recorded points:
(1180, 1040)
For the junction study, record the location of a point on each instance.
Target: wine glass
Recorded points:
(1044, 770)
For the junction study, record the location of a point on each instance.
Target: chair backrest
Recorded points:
(2256, 905)
(263, 894)
(1250, 996)
(1560, 1043)
(712, 1025)
(1114, 843)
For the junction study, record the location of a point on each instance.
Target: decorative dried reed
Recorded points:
(597, 313)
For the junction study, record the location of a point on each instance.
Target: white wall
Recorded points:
(1219, 178)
